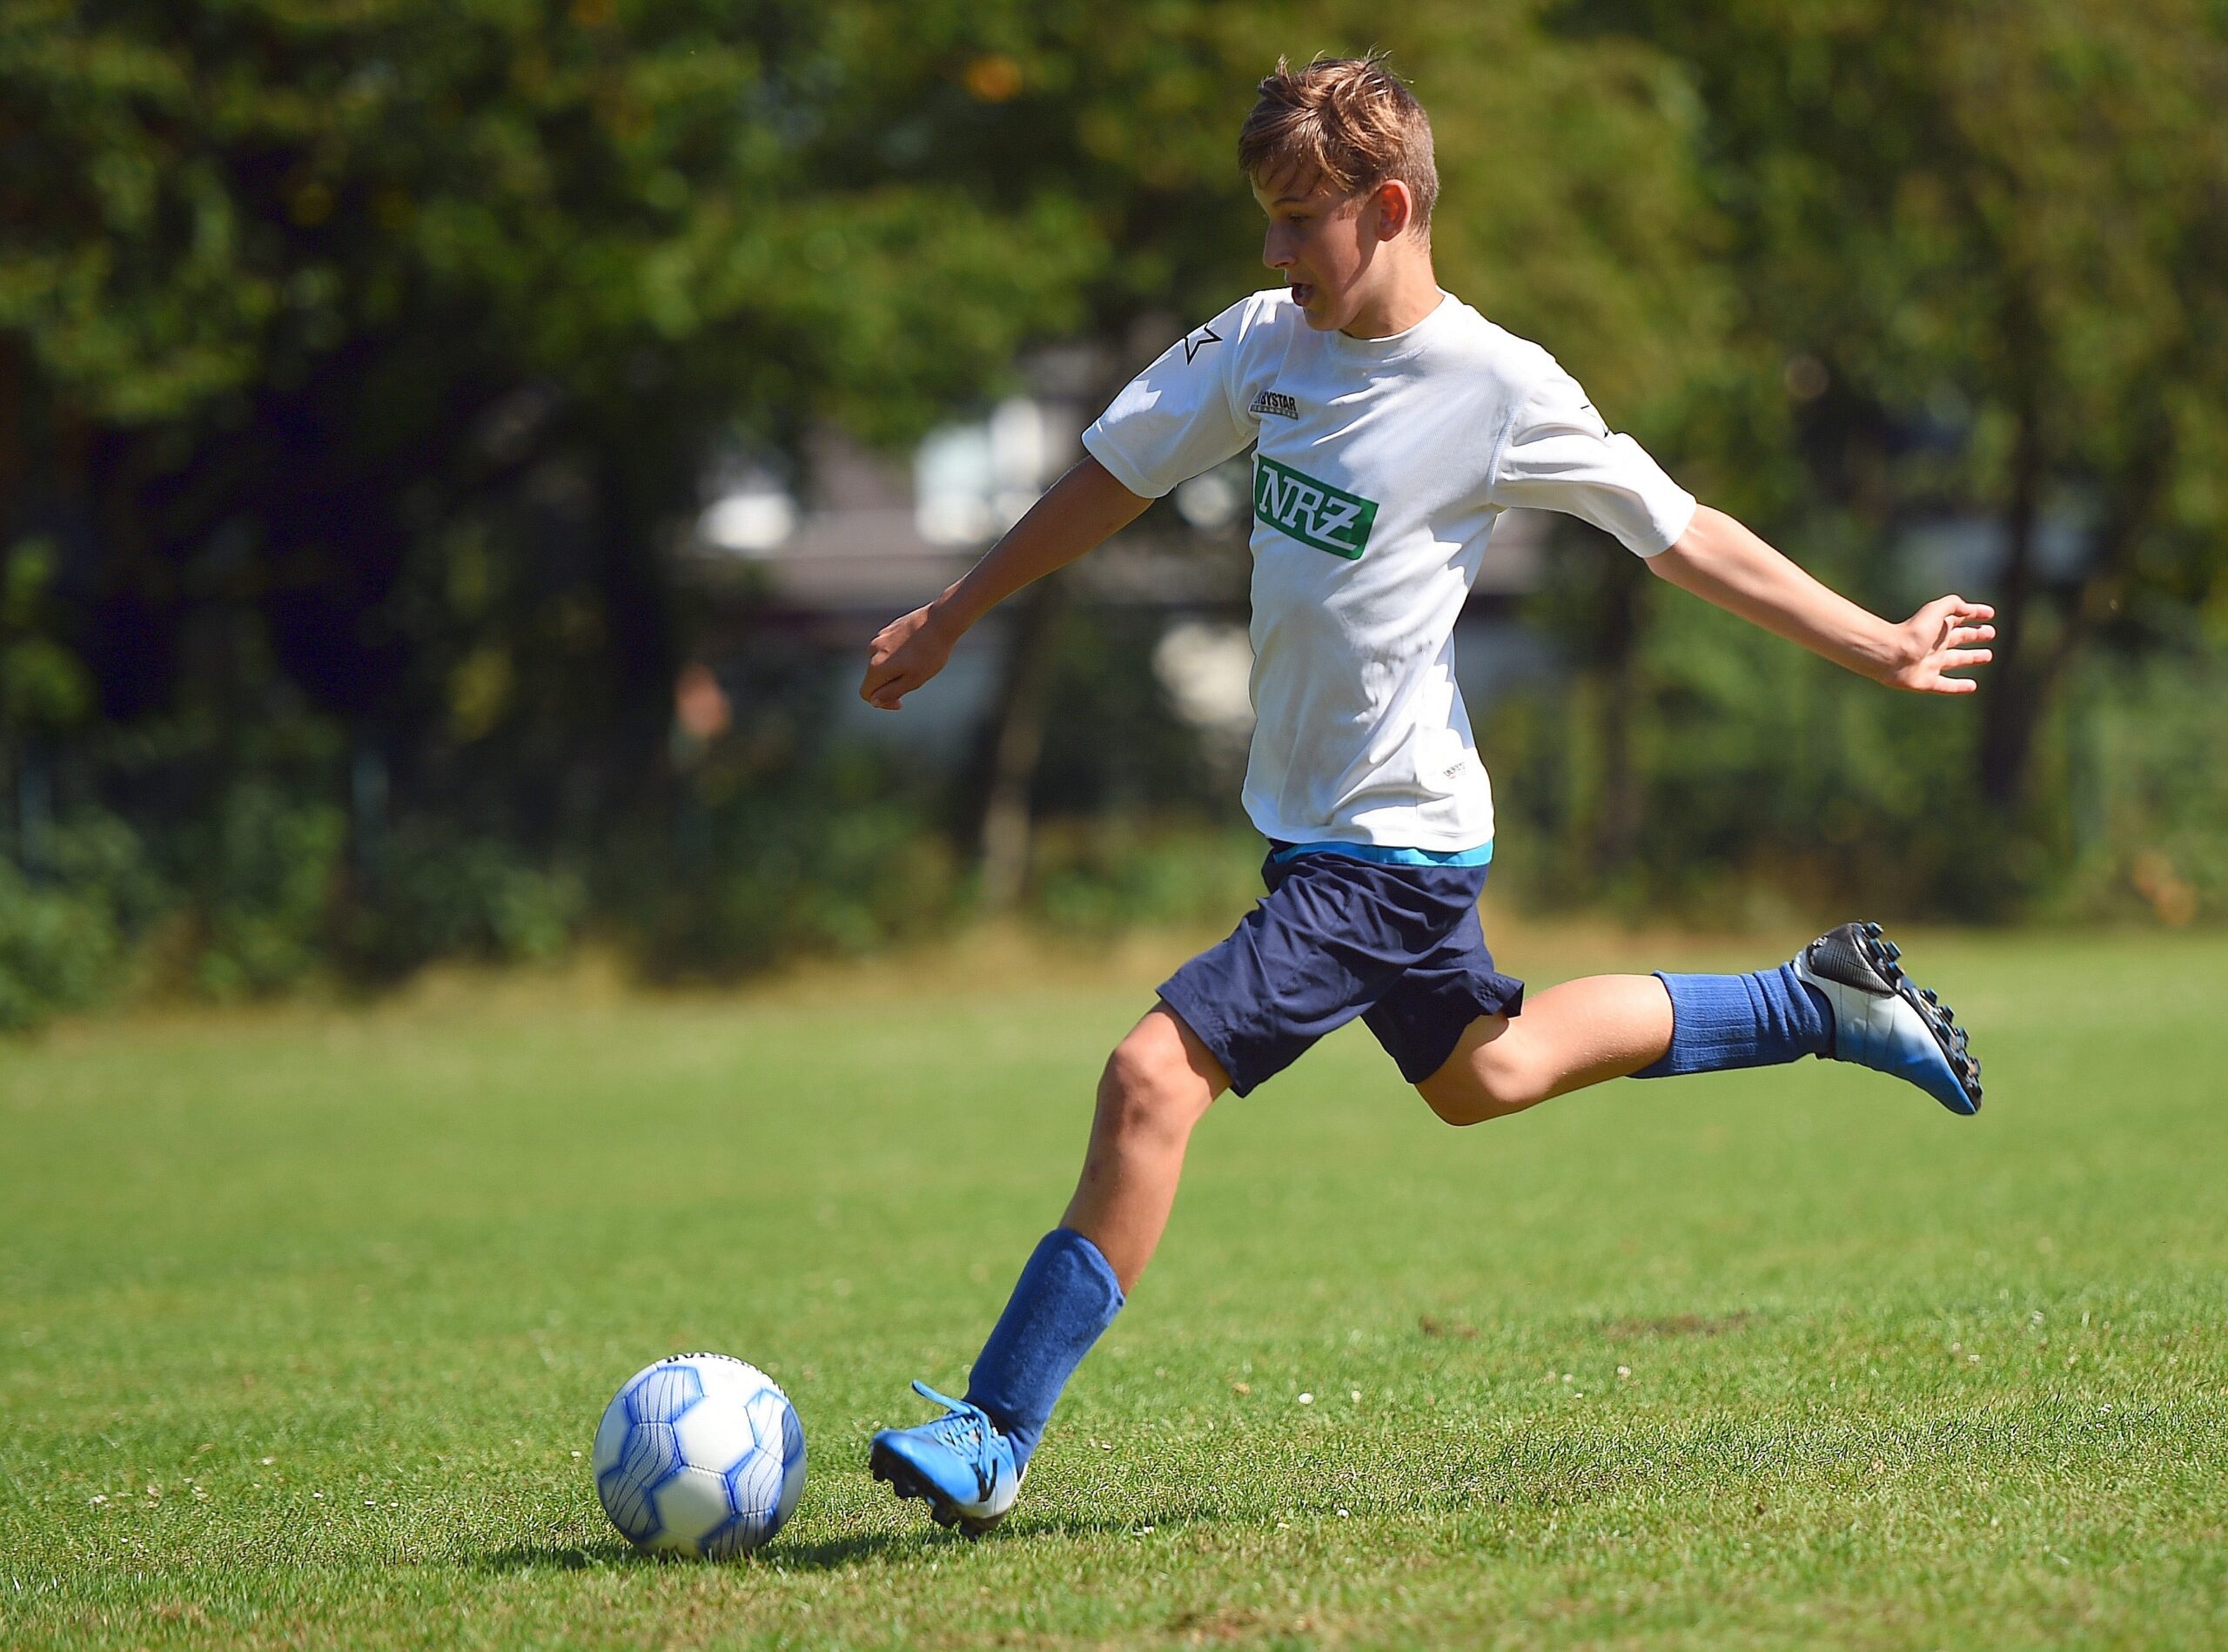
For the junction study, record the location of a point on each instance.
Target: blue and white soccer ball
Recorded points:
(701, 1455)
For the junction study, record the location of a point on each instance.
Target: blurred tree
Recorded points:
(1989, 242)
(396, 333)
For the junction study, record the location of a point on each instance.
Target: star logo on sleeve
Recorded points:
(1195, 342)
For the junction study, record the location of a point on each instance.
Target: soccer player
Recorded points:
(1392, 424)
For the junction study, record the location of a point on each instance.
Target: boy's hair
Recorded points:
(1349, 121)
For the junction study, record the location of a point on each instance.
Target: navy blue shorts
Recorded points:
(1337, 938)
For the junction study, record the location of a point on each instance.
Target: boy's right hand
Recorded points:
(1076, 512)
(904, 654)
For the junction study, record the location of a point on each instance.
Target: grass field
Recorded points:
(306, 1319)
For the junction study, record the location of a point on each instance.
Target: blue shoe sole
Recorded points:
(906, 1481)
(1950, 1038)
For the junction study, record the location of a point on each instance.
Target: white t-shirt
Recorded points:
(1380, 468)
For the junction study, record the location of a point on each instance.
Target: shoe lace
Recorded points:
(966, 1429)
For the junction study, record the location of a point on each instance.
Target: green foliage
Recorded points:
(437, 893)
(833, 858)
(2147, 787)
(43, 685)
(1113, 745)
(229, 192)
(99, 857)
(68, 936)
(1772, 784)
(1986, 244)
(59, 951)
(1096, 879)
(370, 358)
(264, 868)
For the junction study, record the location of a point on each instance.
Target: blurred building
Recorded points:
(825, 562)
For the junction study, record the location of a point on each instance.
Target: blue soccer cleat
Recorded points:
(960, 1465)
(1882, 1022)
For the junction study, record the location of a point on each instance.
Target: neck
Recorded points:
(1411, 293)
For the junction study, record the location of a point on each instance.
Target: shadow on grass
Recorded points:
(561, 1557)
(832, 1554)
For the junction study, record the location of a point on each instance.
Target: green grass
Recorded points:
(305, 1319)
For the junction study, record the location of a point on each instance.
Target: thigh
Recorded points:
(1320, 949)
(1420, 1017)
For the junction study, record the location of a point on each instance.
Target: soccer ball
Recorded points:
(701, 1455)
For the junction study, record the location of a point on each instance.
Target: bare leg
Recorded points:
(1158, 1084)
(1571, 1035)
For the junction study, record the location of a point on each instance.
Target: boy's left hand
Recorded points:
(1945, 636)
(904, 654)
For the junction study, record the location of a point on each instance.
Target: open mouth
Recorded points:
(1303, 293)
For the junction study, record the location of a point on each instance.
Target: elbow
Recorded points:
(1689, 553)
(1675, 562)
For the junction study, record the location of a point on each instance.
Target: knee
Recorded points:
(1459, 1103)
(1143, 1098)
(1488, 1082)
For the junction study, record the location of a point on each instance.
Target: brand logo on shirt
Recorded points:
(1313, 512)
(1275, 401)
(1193, 343)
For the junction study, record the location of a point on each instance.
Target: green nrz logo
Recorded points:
(1312, 512)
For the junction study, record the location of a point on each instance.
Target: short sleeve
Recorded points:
(1558, 455)
(1178, 417)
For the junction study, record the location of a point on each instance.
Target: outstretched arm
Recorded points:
(1082, 509)
(1721, 561)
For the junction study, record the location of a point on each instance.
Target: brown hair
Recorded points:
(1350, 121)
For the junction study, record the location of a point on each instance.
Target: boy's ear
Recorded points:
(1396, 209)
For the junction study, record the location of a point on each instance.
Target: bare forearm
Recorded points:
(1722, 562)
(1080, 511)
(1077, 512)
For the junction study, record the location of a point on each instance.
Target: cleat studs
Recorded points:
(1891, 950)
(1872, 930)
(1928, 994)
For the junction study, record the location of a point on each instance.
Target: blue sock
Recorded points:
(1760, 1020)
(1066, 1298)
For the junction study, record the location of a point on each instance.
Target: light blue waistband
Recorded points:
(1386, 855)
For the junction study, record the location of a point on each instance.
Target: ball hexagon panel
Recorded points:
(792, 1461)
(754, 1485)
(649, 1455)
(741, 1535)
(715, 1435)
(628, 1506)
(691, 1505)
(727, 1376)
(664, 1392)
(611, 1434)
(767, 1408)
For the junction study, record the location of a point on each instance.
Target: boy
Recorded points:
(1392, 424)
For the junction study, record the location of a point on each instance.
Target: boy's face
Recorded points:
(1333, 249)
